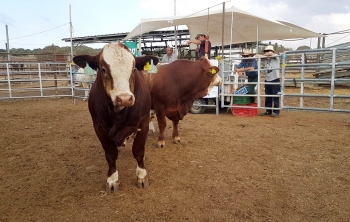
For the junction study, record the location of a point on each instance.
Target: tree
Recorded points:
(85, 50)
(303, 47)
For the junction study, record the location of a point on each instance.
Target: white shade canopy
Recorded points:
(246, 27)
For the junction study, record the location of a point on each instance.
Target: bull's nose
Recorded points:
(124, 100)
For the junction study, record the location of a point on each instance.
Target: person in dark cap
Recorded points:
(204, 44)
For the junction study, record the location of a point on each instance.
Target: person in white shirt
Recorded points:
(272, 64)
(169, 56)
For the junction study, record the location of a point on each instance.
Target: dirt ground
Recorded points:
(228, 168)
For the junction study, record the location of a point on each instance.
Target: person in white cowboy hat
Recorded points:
(272, 72)
(247, 65)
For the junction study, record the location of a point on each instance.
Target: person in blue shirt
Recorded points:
(247, 65)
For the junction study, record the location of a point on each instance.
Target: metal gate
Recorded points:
(21, 80)
(321, 74)
(307, 70)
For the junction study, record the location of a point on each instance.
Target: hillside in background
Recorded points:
(81, 50)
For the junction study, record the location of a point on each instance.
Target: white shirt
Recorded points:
(272, 63)
(167, 59)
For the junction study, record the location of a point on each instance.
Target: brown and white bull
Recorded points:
(119, 104)
(175, 87)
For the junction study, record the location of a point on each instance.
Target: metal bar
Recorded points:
(332, 79)
(259, 80)
(302, 83)
(71, 82)
(31, 97)
(317, 109)
(8, 80)
(317, 95)
(223, 30)
(40, 82)
(7, 44)
(313, 50)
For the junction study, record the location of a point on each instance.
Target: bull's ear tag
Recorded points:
(146, 67)
(153, 68)
(213, 71)
(88, 70)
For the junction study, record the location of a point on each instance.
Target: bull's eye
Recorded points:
(104, 72)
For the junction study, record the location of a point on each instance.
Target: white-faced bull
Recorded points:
(119, 104)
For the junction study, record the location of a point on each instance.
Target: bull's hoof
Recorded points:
(112, 187)
(142, 183)
(161, 144)
(176, 141)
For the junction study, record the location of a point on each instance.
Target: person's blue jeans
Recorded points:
(272, 101)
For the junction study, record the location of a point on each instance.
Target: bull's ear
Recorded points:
(214, 70)
(81, 61)
(141, 61)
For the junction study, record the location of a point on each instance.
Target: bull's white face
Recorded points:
(117, 65)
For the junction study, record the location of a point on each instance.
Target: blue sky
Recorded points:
(37, 23)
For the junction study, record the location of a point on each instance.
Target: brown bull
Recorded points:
(119, 104)
(174, 88)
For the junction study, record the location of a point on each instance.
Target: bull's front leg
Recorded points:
(176, 138)
(111, 154)
(138, 150)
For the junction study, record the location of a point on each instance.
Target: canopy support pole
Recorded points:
(175, 30)
(231, 33)
(257, 38)
(223, 29)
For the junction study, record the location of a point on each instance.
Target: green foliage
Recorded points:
(281, 48)
(53, 49)
(85, 50)
(303, 47)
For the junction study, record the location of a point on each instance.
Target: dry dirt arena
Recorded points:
(228, 168)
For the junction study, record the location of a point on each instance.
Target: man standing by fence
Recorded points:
(272, 80)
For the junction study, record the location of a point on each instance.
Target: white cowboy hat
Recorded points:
(268, 48)
(246, 52)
